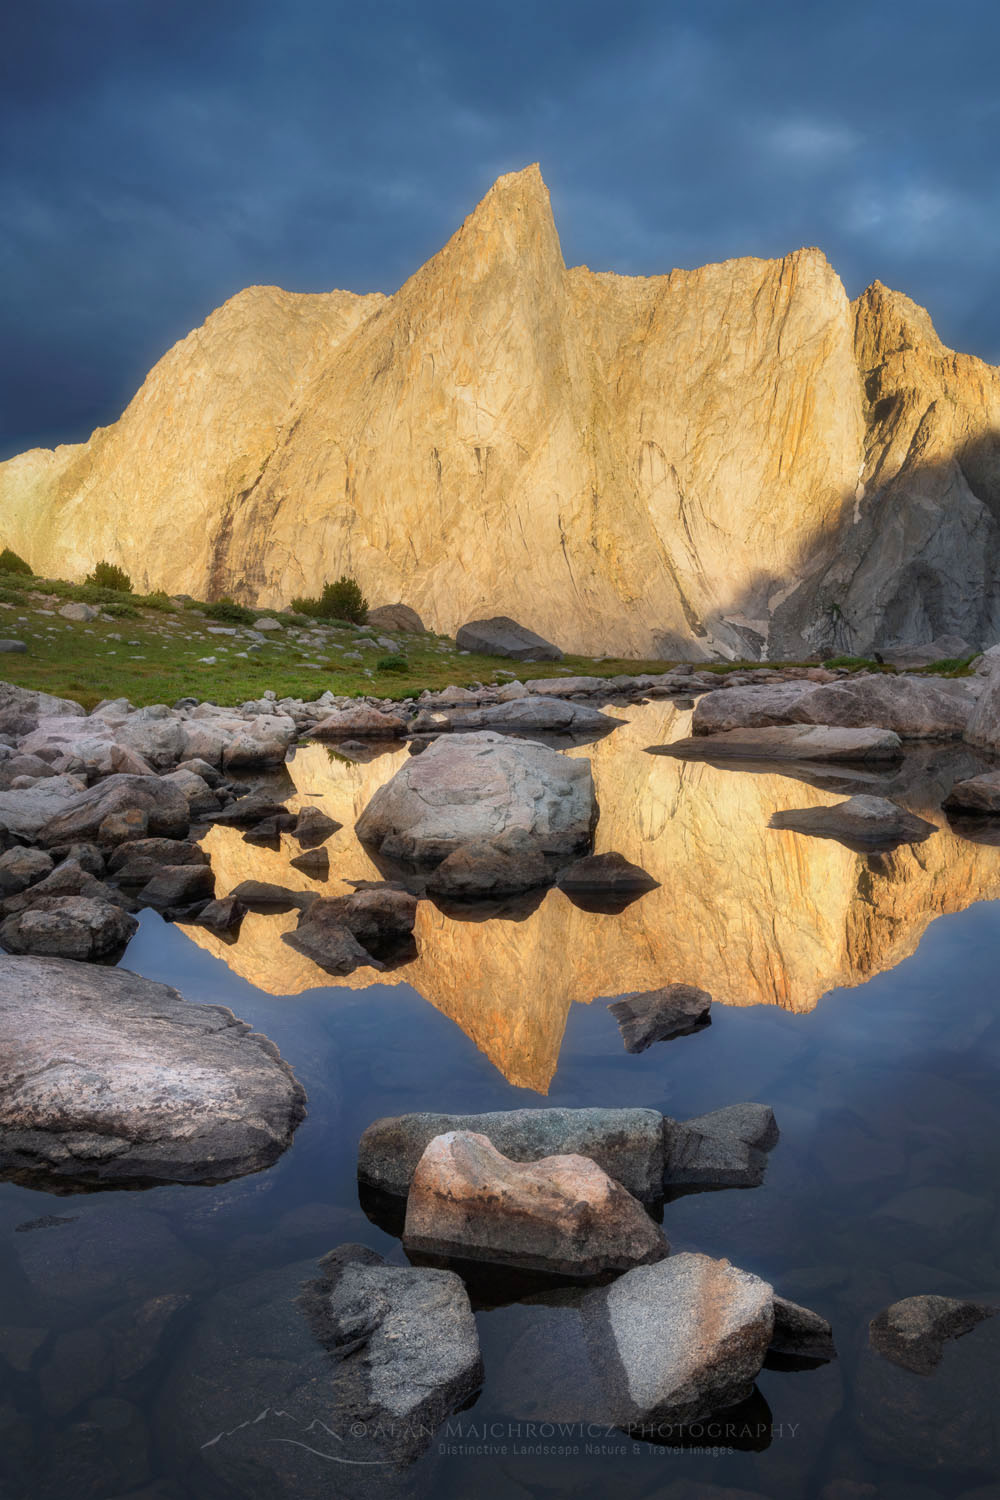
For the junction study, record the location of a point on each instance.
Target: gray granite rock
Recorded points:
(725, 1148)
(21, 867)
(108, 1078)
(491, 868)
(794, 742)
(475, 786)
(502, 636)
(540, 715)
(163, 803)
(800, 1332)
(610, 872)
(977, 794)
(626, 1143)
(76, 927)
(314, 827)
(680, 1340)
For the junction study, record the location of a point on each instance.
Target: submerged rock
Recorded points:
(912, 1333)
(502, 636)
(561, 1214)
(477, 786)
(813, 742)
(660, 1015)
(873, 822)
(325, 1381)
(626, 1143)
(679, 1341)
(107, 1078)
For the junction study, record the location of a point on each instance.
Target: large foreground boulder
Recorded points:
(678, 1341)
(476, 786)
(502, 636)
(107, 1079)
(627, 1143)
(792, 742)
(97, 814)
(562, 1214)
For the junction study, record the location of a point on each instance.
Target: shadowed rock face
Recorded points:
(780, 468)
(792, 918)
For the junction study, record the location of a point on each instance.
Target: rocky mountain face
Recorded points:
(735, 459)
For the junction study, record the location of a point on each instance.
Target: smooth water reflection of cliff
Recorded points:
(751, 914)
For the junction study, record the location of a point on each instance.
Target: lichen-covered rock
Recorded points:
(626, 1143)
(476, 786)
(561, 1214)
(107, 1078)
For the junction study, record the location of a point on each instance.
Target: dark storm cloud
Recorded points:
(156, 157)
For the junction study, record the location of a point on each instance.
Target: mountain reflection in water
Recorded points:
(752, 914)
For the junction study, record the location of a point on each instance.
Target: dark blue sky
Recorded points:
(157, 155)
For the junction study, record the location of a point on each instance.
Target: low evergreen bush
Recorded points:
(109, 576)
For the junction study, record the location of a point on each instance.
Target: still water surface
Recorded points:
(145, 1323)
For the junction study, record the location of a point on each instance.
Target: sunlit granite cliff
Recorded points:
(749, 913)
(735, 458)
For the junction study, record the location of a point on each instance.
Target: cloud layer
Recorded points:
(156, 158)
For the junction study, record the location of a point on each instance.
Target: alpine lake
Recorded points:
(149, 1339)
